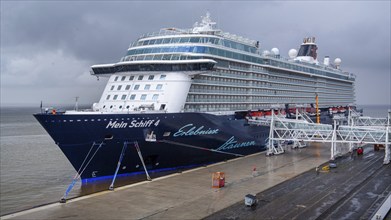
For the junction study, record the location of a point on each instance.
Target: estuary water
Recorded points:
(35, 172)
(33, 169)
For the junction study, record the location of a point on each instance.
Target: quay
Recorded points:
(286, 185)
(355, 189)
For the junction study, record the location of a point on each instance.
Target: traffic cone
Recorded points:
(254, 171)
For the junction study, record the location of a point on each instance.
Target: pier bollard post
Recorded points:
(333, 142)
(387, 148)
(387, 145)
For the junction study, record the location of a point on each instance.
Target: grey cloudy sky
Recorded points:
(47, 47)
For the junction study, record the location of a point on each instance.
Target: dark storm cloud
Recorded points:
(47, 47)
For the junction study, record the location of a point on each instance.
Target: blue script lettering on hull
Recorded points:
(190, 130)
(232, 143)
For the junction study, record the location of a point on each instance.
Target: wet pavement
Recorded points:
(353, 190)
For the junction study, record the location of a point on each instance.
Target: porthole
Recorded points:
(111, 106)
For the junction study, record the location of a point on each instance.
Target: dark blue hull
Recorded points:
(180, 140)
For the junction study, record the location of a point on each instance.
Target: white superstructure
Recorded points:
(206, 70)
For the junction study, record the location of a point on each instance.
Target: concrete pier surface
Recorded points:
(355, 189)
(189, 195)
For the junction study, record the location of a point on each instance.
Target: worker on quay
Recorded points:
(360, 151)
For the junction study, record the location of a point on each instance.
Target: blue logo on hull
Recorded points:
(190, 130)
(232, 143)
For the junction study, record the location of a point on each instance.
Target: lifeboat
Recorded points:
(341, 109)
(257, 114)
(267, 112)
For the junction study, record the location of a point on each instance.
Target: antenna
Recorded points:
(76, 103)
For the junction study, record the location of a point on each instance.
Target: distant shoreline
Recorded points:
(83, 105)
(66, 106)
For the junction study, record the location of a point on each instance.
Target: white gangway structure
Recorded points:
(360, 130)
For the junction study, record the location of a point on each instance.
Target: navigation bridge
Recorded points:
(359, 130)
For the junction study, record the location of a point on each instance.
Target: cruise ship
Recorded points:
(181, 98)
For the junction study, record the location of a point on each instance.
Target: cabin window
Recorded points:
(148, 57)
(132, 97)
(119, 87)
(194, 40)
(112, 87)
(115, 97)
(147, 87)
(158, 41)
(123, 97)
(143, 97)
(108, 97)
(162, 76)
(175, 40)
(127, 87)
(131, 78)
(116, 78)
(140, 77)
(136, 87)
(123, 78)
(184, 40)
(155, 96)
(166, 40)
(150, 77)
(159, 86)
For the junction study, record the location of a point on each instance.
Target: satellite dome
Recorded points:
(275, 51)
(266, 53)
(292, 53)
(337, 61)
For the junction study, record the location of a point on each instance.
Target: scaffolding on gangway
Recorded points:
(358, 131)
(355, 119)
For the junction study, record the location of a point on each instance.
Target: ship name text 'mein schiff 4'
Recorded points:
(181, 97)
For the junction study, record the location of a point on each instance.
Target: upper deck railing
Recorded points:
(218, 33)
(319, 66)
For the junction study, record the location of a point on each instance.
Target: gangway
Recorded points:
(358, 131)
(356, 119)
